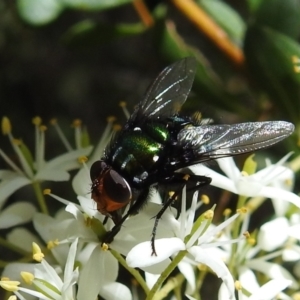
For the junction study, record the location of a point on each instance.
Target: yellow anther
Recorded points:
(111, 119)
(186, 177)
(27, 277)
(297, 69)
(53, 121)
(43, 128)
(104, 247)
(76, 123)
(8, 285)
(238, 285)
(295, 59)
(38, 255)
(117, 127)
(37, 121)
(82, 159)
(244, 173)
(13, 297)
(209, 214)
(288, 182)
(227, 212)
(52, 244)
(205, 199)
(246, 234)
(47, 191)
(122, 104)
(6, 126)
(242, 210)
(17, 142)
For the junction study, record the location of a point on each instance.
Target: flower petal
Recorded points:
(218, 180)
(141, 255)
(11, 183)
(16, 214)
(271, 289)
(115, 291)
(273, 234)
(96, 278)
(272, 270)
(272, 192)
(216, 264)
(188, 272)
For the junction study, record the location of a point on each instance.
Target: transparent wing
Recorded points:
(168, 92)
(215, 141)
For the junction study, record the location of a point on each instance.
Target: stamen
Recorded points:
(8, 285)
(6, 126)
(64, 201)
(77, 124)
(209, 214)
(104, 247)
(52, 244)
(124, 108)
(205, 199)
(242, 210)
(238, 285)
(37, 121)
(38, 255)
(61, 135)
(227, 212)
(27, 277)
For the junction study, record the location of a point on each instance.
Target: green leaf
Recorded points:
(94, 4)
(226, 17)
(269, 59)
(283, 16)
(39, 12)
(90, 33)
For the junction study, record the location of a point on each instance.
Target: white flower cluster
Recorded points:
(70, 263)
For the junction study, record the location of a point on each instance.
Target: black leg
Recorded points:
(109, 237)
(179, 178)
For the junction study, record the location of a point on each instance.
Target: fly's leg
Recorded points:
(197, 180)
(109, 236)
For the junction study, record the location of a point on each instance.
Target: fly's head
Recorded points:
(110, 190)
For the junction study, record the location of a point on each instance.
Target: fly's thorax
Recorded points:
(137, 152)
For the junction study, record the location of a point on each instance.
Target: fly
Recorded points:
(156, 142)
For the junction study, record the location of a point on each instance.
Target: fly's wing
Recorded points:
(168, 92)
(209, 142)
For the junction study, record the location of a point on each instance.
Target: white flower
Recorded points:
(37, 169)
(195, 241)
(257, 184)
(268, 291)
(48, 281)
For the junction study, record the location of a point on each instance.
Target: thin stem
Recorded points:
(132, 271)
(173, 283)
(40, 197)
(164, 275)
(143, 12)
(215, 33)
